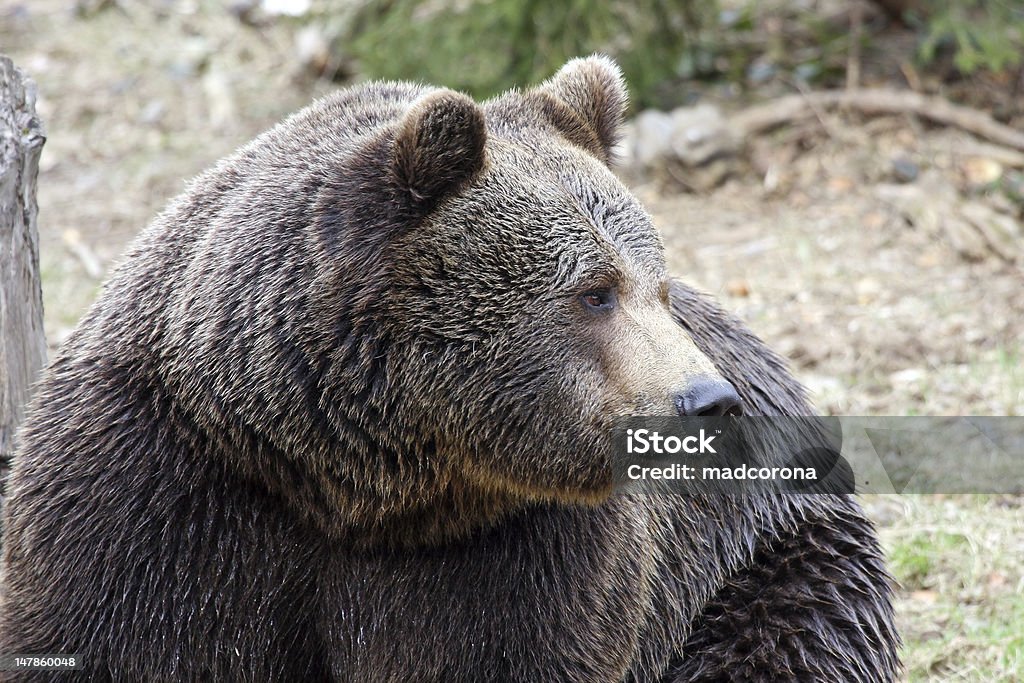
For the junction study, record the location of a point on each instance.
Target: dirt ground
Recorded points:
(879, 312)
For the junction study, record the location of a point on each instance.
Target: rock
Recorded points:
(692, 148)
(701, 133)
(652, 132)
(904, 170)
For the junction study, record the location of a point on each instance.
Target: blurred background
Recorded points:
(848, 177)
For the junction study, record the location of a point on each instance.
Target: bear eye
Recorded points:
(598, 300)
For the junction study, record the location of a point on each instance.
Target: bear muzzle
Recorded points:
(708, 397)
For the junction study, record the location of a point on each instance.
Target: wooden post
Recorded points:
(22, 342)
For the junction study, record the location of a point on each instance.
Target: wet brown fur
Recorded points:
(339, 416)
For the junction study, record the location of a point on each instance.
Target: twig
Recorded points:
(853, 54)
(973, 148)
(764, 117)
(817, 110)
(85, 255)
(910, 73)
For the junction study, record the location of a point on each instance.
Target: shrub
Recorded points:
(487, 46)
(981, 34)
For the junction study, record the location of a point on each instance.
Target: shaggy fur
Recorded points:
(340, 415)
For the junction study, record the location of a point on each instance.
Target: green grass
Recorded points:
(959, 563)
(970, 643)
(925, 554)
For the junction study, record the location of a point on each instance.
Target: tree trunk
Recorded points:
(22, 342)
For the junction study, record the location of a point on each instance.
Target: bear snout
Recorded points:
(708, 397)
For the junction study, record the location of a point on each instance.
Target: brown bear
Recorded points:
(345, 413)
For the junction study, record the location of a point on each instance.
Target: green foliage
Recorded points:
(487, 46)
(982, 34)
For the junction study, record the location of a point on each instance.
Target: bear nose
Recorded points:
(709, 398)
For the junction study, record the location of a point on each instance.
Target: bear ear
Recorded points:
(586, 100)
(439, 145)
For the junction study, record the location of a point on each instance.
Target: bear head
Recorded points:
(409, 313)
